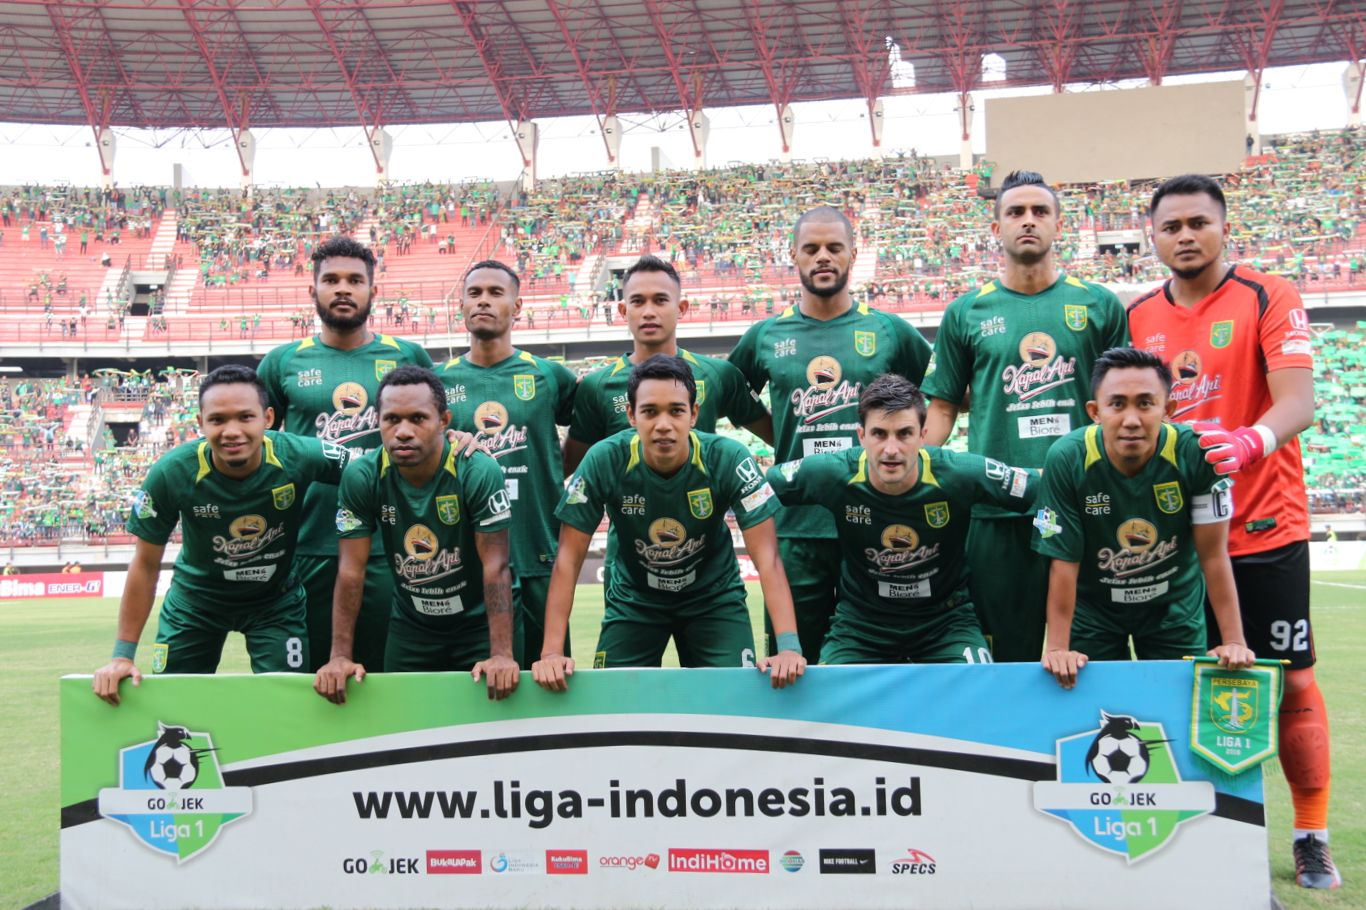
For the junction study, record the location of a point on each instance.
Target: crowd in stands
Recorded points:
(1334, 469)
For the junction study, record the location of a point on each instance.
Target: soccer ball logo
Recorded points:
(173, 765)
(1117, 755)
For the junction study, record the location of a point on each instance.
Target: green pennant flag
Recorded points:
(1234, 714)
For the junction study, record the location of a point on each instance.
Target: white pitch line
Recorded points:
(1340, 584)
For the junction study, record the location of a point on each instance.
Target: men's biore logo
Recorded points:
(171, 793)
(1119, 788)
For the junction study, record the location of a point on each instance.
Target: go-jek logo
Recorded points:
(1119, 788)
(171, 793)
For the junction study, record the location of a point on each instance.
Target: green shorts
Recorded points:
(720, 637)
(319, 577)
(1159, 631)
(812, 566)
(460, 644)
(190, 638)
(944, 635)
(534, 591)
(1009, 586)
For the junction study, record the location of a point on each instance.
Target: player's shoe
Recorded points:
(1314, 864)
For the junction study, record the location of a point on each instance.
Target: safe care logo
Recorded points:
(171, 794)
(1119, 789)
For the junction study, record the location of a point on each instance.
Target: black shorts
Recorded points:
(1273, 595)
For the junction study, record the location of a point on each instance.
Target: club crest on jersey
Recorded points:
(1169, 498)
(701, 391)
(524, 386)
(865, 343)
(937, 514)
(283, 497)
(160, 654)
(1075, 317)
(699, 502)
(350, 397)
(1221, 334)
(448, 509)
(384, 366)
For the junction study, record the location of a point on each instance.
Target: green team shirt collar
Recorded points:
(624, 361)
(795, 312)
(205, 456)
(379, 339)
(517, 354)
(926, 477)
(636, 459)
(1095, 449)
(997, 285)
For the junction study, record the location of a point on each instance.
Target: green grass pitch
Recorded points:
(42, 639)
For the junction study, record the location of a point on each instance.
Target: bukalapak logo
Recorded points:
(566, 862)
(848, 862)
(454, 862)
(728, 861)
(915, 862)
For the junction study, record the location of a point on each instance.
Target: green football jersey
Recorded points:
(238, 537)
(902, 554)
(676, 550)
(1027, 360)
(328, 393)
(1131, 535)
(513, 407)
(816, 371)
(600, 406)
(428, 531)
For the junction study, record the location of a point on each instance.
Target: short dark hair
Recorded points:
(234, 374)
(496, 265)
(1129, 359)
(1189, 185)
(413, 375)
(823, 213)
(661, 366)
(891, 392)
(648, 263)
(343, 247)
(1025, 178)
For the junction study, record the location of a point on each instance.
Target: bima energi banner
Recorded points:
(915, 786)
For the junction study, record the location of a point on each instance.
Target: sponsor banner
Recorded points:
(663, 788)
(52, 584)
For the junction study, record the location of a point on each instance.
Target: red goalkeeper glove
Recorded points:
(1233, 450)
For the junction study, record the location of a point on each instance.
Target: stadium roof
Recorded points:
(321, 63)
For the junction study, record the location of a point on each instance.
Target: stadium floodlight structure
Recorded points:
(238, 64)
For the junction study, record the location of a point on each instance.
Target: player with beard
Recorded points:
(1022, 345)
(1240, 344)
(325, 386)
(512, 401)
(238, 496)
(817, 357)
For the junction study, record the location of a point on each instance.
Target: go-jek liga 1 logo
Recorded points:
(171, 793)
(1119, 788)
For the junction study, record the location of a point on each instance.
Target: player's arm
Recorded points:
(574, 450)
(761, 542)
(940, 416)
(1211, 545)
(763, 427)
(330, 682)
(1059, 659)
(1232, 449)
(269, 372)
(586, 425)
(553, 670)
(500, 668)
(134, 607)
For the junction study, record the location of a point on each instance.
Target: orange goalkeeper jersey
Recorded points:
(1220, 351)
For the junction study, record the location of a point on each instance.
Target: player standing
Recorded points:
(1242, 353)
(444, 522)
(1136, 525)
(238, 496)
(666, 489)
(512, 400)
(652, 303)
(816, 357)
(902, 512)
(1023, 345)
(325, 386)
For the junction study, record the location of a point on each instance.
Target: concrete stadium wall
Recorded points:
(1119, 135)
